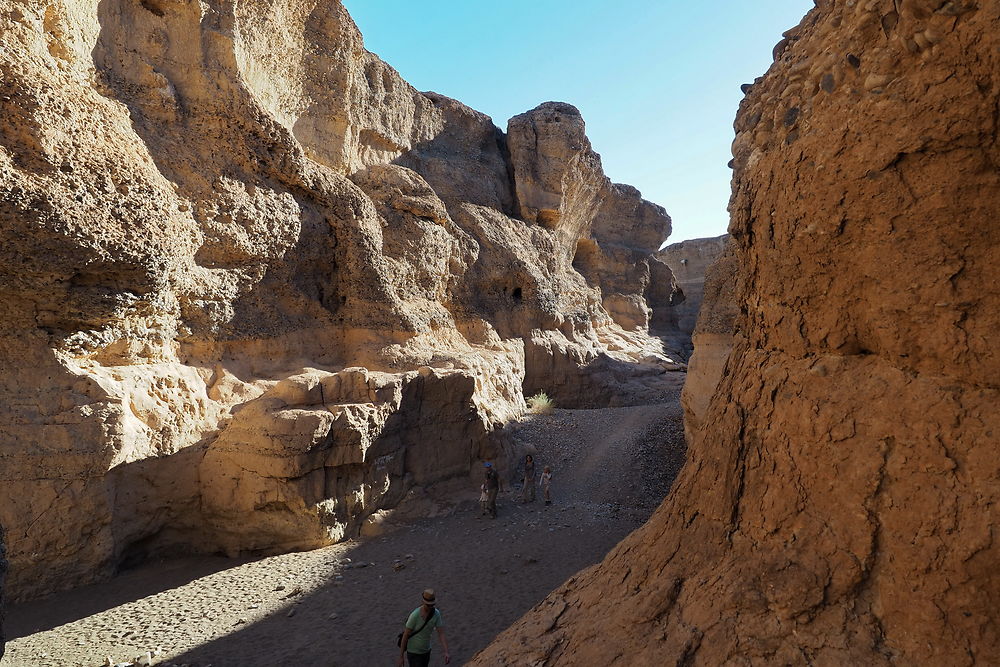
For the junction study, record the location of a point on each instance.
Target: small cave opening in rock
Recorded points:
(152, 7)
(587, 257)
(548, 218)
(516, 295)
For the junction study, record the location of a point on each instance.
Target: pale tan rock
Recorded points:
(208, 209)
(558, 180)
(713, 338)
(303, 465)
(605, 229)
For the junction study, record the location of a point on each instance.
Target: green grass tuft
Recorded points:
(541, 404)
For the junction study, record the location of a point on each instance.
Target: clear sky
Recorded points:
(658, 81)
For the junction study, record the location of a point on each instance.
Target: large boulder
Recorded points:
(838, 503)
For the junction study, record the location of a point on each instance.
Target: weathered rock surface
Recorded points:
(714, 337)
(254, 286)
(689, 262)
(839, 501)
(3, 579)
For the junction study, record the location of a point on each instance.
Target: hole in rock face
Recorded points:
(587, 258)
(548, 218)
(153, 7)
(516, 294)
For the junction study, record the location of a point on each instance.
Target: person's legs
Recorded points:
(491, 502)
(418, 659)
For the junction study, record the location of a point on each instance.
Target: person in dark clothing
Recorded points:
(528, 492)
(493, 487)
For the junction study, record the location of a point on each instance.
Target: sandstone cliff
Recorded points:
(689, 262)
(713, 338)
(839, 501)
(254, 286)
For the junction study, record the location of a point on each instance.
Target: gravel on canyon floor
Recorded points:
(345, 604)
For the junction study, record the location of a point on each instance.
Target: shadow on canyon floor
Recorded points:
(487, 573)
(612, 468)
(59, 609)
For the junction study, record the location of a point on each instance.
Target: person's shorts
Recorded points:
(418, 659)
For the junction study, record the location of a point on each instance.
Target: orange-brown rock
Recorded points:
(840, 498)
(255, 287)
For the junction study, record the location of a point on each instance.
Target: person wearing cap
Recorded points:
(416, 642)
(492, 483)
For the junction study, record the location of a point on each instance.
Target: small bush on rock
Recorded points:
(541, 404)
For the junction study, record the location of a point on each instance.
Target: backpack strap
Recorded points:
(426, 621)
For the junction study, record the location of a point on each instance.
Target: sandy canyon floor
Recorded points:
(343, 605)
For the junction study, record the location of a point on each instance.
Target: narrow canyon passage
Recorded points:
(611, 468)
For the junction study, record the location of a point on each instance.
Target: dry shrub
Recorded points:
(541, 404)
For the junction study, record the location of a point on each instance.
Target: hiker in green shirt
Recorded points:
(416, 641)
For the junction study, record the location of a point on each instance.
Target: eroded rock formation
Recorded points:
(839, 501)
(689, 262)
(254, 286)
(713, 338)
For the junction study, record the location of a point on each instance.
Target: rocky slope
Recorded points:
(254, 286)
(839, 500)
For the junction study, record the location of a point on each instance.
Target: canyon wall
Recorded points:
(673, 319)
(713, 338)
(254, 286)
(839, 502)
(689, 262)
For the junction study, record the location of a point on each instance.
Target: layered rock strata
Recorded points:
(839, 501)
(254, 286)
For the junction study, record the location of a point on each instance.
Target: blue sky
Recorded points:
(658, 81)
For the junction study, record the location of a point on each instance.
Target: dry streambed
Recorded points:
(344, 604)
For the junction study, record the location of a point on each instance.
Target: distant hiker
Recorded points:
(547, 485)
(492, 483)
(528, 492)
(483, 497)
(415, 642)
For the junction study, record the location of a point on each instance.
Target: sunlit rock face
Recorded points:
(254, 286)
(838, 502)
